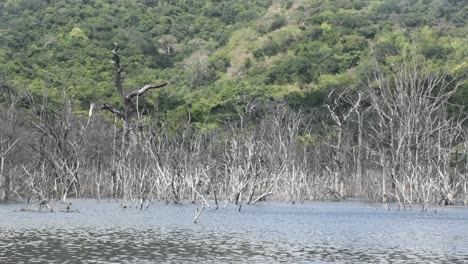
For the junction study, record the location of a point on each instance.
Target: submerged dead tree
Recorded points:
(129, 100)
(123, 171)
(338, 165)
(415, 135)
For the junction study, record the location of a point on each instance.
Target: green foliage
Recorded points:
(220, 55)
(293, 69)
(278, 23)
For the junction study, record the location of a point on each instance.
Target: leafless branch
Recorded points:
(143, 90)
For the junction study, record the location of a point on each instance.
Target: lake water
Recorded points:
(344, 232)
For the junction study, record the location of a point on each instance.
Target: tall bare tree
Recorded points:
(129, 100)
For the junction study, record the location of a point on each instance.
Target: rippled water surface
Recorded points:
(266, 233)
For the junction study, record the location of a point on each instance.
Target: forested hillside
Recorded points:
(219, 54)
(299, 99)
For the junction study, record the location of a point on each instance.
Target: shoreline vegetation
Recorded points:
(289, 100)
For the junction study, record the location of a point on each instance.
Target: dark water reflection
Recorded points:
(266, 233)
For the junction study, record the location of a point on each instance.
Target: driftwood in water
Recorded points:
(198, 213)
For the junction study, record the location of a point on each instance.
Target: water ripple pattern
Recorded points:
(266, 233)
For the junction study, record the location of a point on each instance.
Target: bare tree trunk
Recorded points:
(129, 108)
(2, 168)
(359, 156)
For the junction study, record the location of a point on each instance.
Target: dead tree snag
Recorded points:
(127, 99)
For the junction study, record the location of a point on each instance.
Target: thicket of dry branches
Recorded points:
(396, 139)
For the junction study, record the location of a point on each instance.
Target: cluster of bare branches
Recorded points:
(402, 129)
(398, 138)
(418, 136)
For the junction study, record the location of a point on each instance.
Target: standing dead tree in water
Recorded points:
(413, 131)
(130, 103)
(341, 116)
(8, 140)
(59, 150)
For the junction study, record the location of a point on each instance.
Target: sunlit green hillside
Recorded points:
(220, 55)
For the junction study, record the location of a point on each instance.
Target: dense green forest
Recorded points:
(218, 55)
(299, 99)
